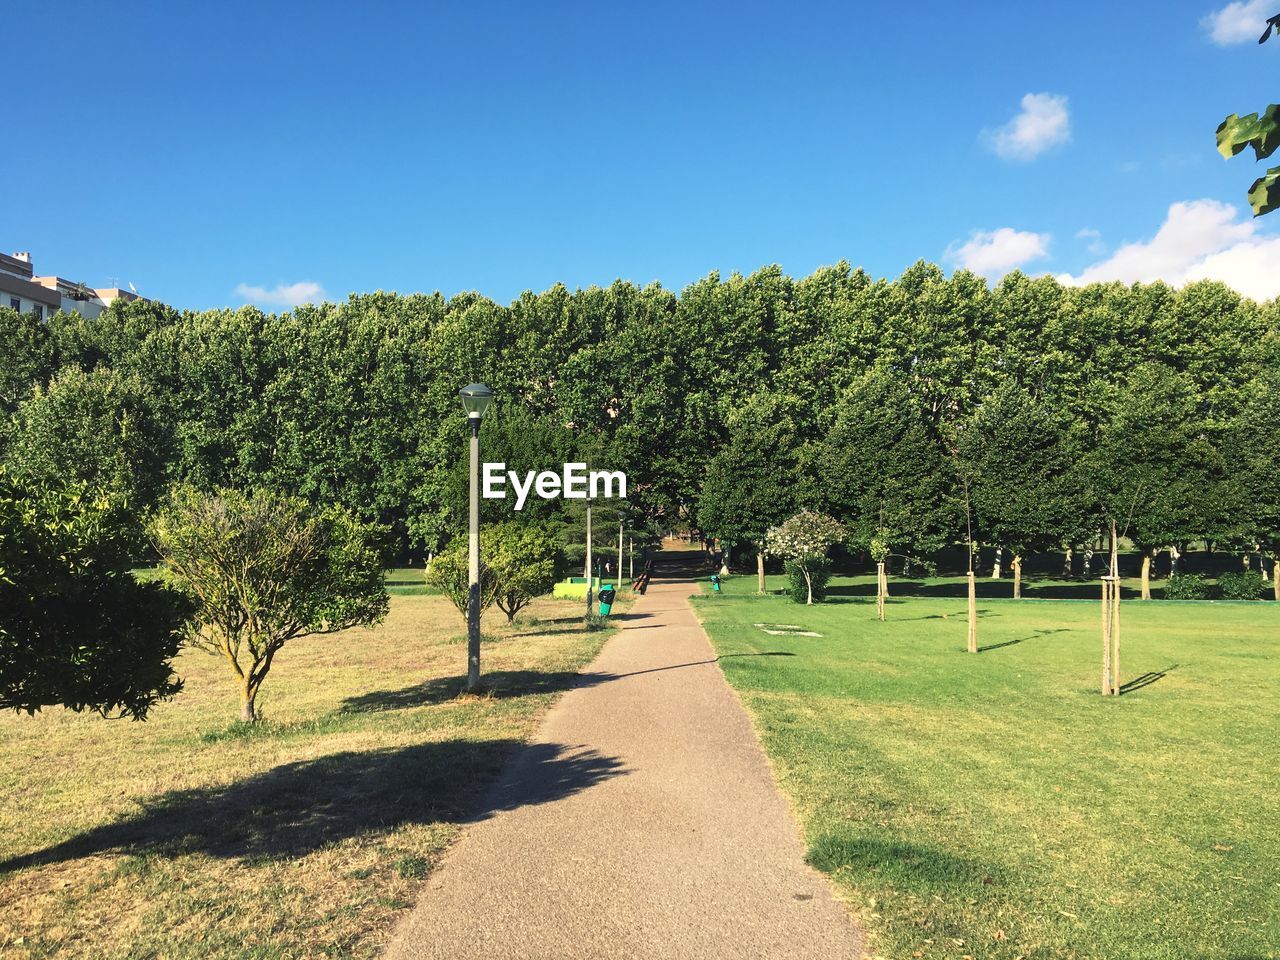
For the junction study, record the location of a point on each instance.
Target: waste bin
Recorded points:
(606, 600)
(715, 582)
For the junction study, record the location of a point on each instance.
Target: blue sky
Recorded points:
(202, 151)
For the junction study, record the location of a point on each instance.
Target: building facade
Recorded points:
(22, 290)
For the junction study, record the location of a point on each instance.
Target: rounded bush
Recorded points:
(1242, 585)
(819, 573)
(1187, 586)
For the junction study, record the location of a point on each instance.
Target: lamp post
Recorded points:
(475, 400)
(587, 566)
(622, 520)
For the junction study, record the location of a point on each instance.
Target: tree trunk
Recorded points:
(1017, 576)
(1275, 578)
(724, 561)
(808, 582)
(1146, 574)
(1067, 564)
(760, 571)
(995, 569)
(248, 709)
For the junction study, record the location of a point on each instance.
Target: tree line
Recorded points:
(924, 410)
(917, 413)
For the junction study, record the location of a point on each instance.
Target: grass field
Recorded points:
(190, 836)
(996, 806)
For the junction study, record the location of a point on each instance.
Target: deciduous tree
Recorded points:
(265, 569)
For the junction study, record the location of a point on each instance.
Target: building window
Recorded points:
(39, 311)
(15, 303)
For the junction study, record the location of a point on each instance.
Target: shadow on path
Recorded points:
(297, 808)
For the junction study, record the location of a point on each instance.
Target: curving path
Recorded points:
(685, 850)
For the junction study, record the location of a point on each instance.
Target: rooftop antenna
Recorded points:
(113, 282)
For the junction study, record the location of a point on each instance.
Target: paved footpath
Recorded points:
(685, 850)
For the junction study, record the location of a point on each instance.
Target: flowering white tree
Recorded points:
(805, 538)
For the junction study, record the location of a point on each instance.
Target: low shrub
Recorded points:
(1242, 585)
(1187, 586)
(819, 573)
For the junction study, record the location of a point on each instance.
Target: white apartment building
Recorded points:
(25, 292)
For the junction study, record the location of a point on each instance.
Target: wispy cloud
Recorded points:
(1043, 122)
(993, 253)
(1096, 246)
(288, 295)
(1238, 22)
(1199, 240)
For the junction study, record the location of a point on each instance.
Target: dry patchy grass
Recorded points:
(192, 836)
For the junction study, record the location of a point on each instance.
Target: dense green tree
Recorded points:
(102, 428)
(1155, 473)
(1021, 466)
(753, 481)
(26, 358)
(76, 628)
(523, 558)
(883, 471)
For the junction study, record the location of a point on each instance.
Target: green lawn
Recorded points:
(996, 806)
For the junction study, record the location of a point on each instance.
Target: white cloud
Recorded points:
(1042, 123)
(1199, 240)
(286, 295)
(1238, 22)
(1096, 246)
(993, 253)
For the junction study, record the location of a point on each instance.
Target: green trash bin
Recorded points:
(606, 600)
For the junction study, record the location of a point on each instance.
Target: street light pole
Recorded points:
(618, 584)
(475, 400)
(589, 572)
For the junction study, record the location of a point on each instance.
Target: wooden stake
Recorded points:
(880, 589)
(1106, 636)
(973, 614)
(1115, 612)
(1115, 639)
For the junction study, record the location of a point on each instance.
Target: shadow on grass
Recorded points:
(499, 683)
(1011, 643)
(985, 590)
(906, 866)
(1137, 683)
(297, 808)
(506, 684)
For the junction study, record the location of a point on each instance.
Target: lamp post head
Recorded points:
(476, 398)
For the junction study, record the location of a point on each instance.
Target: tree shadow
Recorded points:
(907, 866)
(1137, 683)
(297, 808)
(984, 589)
(1011, 643)
(499, 684)
(506, 684)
